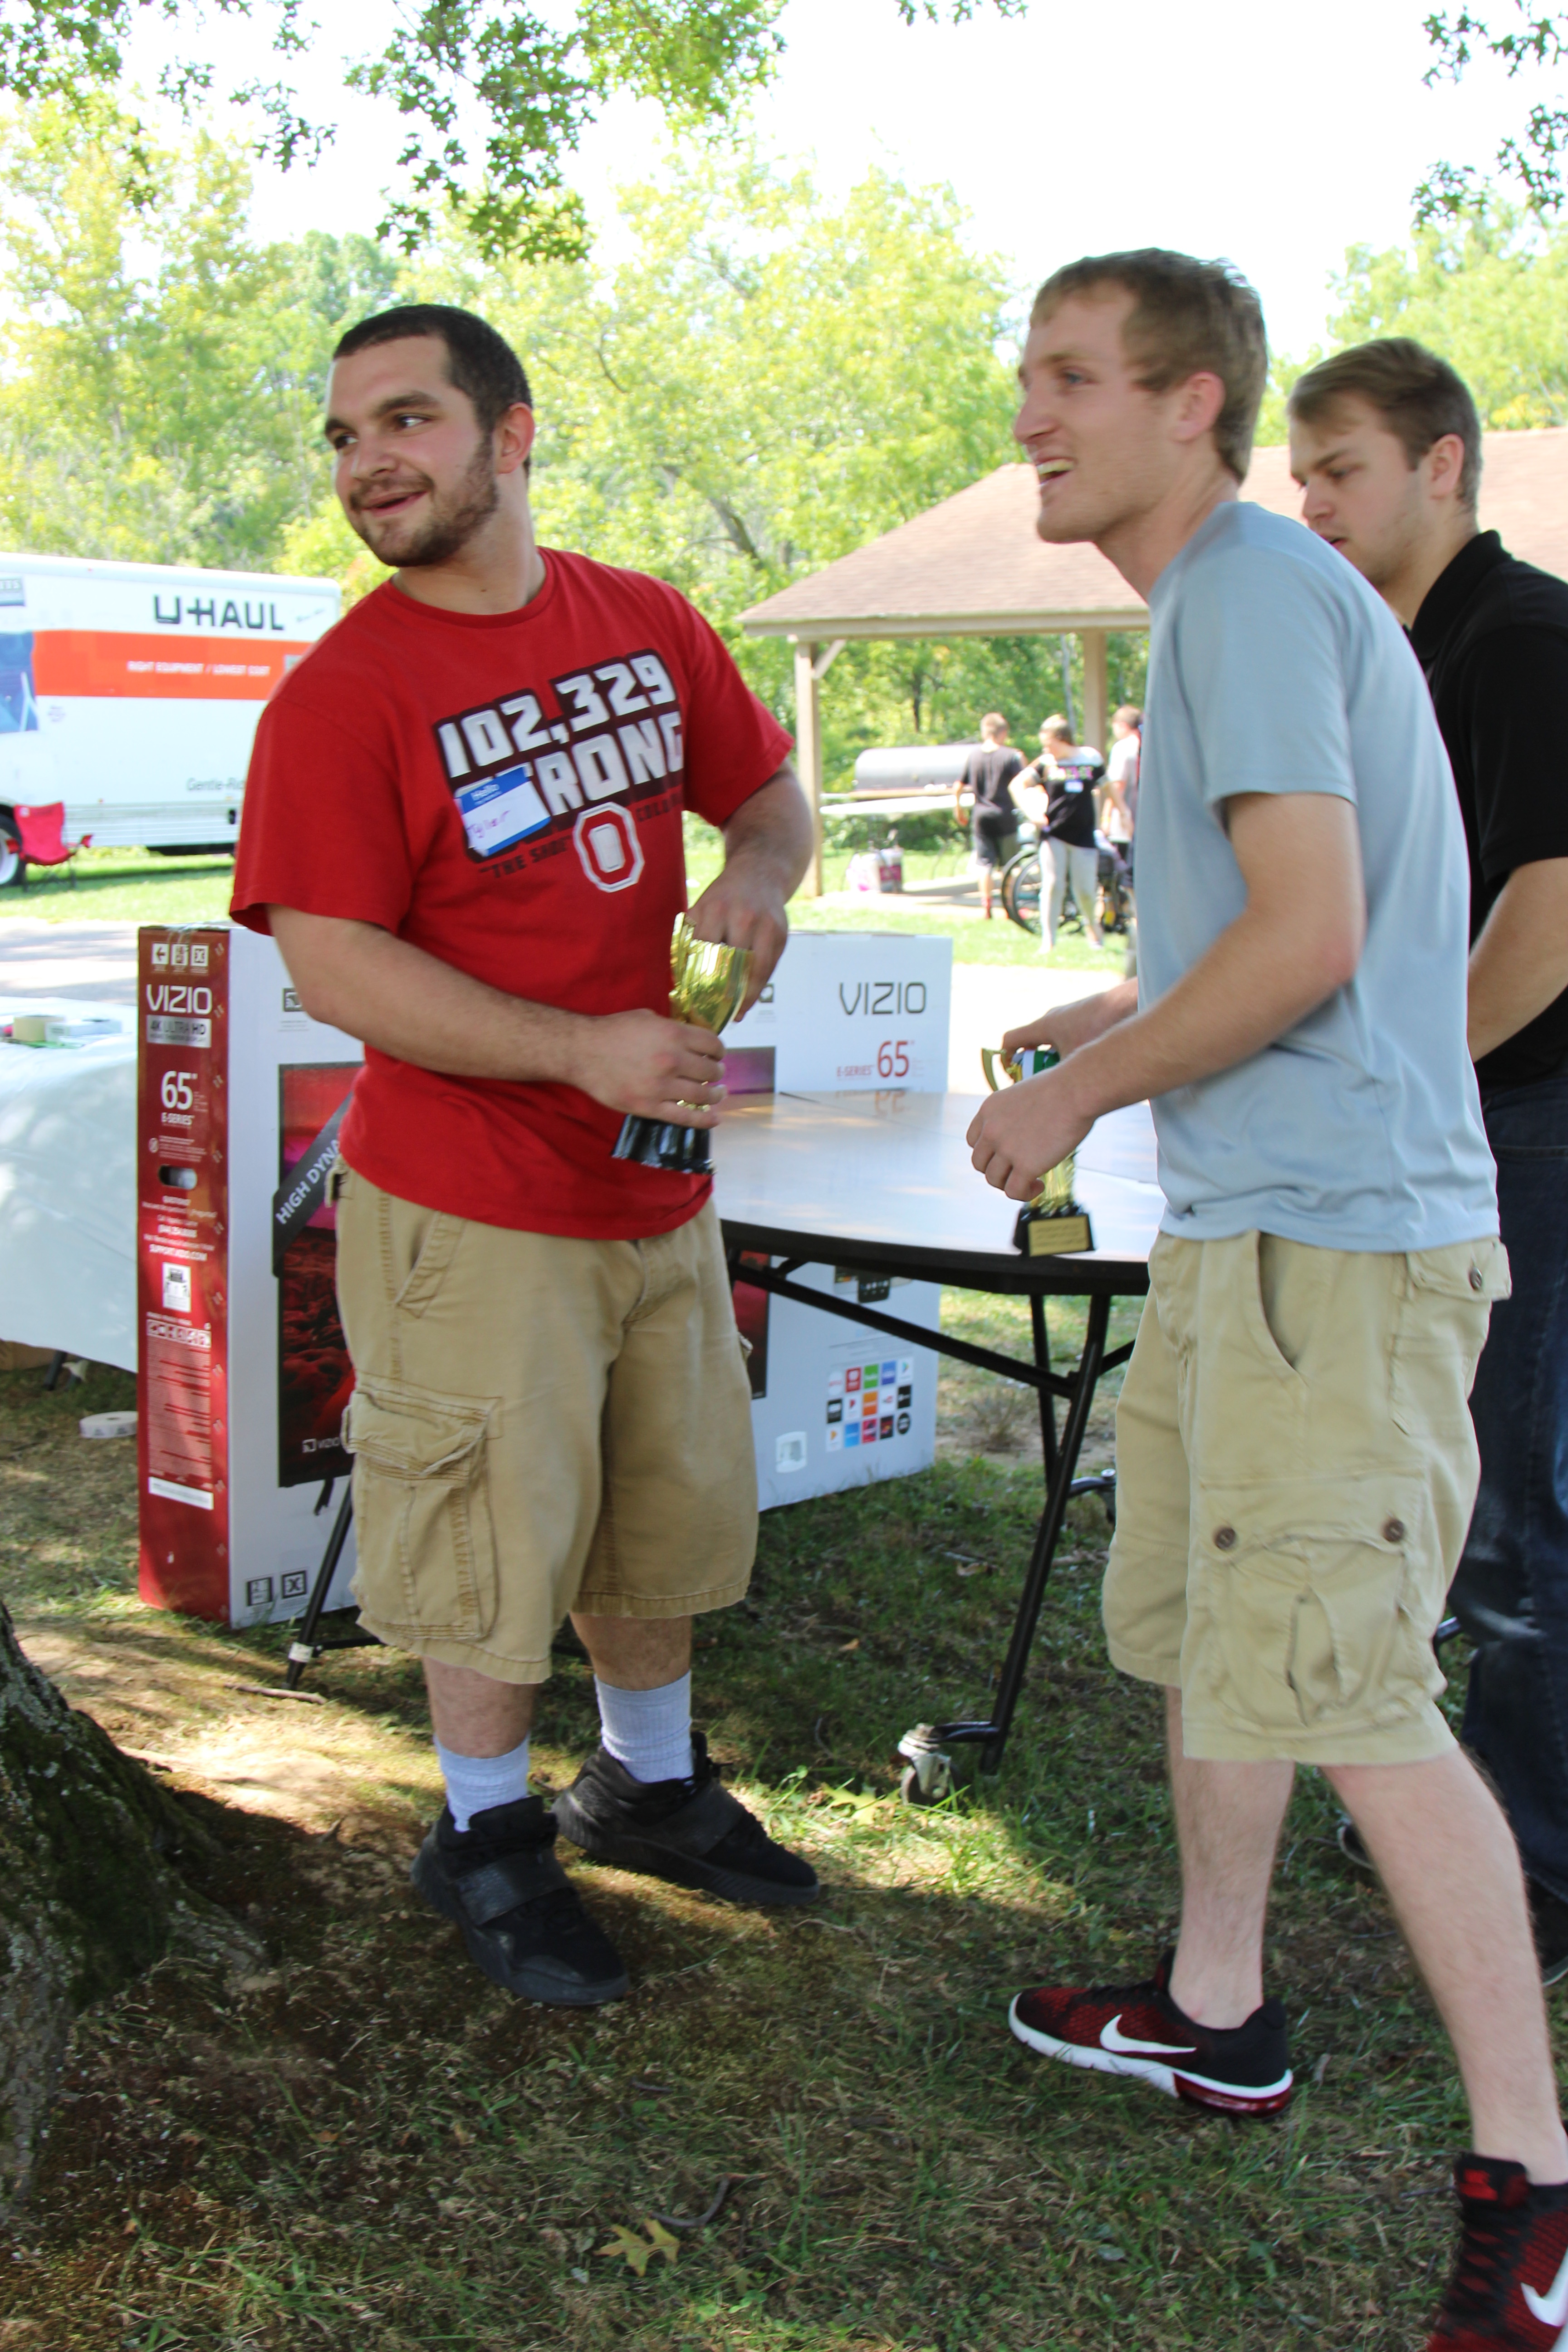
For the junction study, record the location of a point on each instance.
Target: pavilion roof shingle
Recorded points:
(971, 565)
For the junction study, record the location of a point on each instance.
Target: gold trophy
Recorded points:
(708, 988)
(1052, 1224)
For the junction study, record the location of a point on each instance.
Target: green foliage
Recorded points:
(1533, 155)
(164, 371)
(1487, 289)
(492, 98)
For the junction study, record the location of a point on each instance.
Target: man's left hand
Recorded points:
(744, 908)
(767, 846)
(1019, 1133)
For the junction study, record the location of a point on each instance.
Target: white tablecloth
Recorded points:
(68, 1187)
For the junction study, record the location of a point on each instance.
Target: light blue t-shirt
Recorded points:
(1273, 667)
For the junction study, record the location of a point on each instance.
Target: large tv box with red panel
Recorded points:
(242, 1370)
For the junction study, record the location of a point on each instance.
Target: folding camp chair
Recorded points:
(40, 838)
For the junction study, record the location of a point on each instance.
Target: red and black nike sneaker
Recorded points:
(1137, 2030)
(1510, 2288)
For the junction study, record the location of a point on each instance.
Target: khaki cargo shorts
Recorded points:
(1295, 1473)
(539, 1424)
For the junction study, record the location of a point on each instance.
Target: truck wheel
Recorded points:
(12, 866)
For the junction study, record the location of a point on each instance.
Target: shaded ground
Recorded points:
(365, 2146)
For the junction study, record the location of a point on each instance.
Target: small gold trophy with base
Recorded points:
(708, 988)
(1053, 1224)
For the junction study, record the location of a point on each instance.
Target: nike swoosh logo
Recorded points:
(1551, 2308)
(1112, 2038)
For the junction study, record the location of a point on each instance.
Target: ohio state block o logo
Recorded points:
(607, 844)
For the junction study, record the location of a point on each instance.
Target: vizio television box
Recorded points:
(834, 1404)
(847, 1011)
(242, 1370)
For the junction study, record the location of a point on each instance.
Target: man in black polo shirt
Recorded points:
(1386, 441)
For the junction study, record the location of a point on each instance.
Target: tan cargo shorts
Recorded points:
(539, 1424)
(1295, 1473)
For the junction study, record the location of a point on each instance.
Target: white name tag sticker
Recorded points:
(501, 810)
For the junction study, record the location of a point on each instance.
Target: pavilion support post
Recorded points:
(1095, 715)
(808, 753)
(810, 669)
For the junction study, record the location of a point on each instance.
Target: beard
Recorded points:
(449, 524)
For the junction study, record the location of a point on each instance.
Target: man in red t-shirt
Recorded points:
(463, 828)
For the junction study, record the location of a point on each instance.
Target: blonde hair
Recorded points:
(993, 723)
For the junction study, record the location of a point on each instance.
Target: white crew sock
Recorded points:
(649, 1731)
(475, 1783)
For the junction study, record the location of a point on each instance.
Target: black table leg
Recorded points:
(1047, 1403)
(928, 1774)
(306, 1648)
(1016, 1662)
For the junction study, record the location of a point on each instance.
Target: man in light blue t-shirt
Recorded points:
(1296, 1466)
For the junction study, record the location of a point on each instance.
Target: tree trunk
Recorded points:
(89, 1894)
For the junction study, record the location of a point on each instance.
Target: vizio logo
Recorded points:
(607, 844)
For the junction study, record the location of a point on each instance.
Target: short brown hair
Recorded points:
(1419, 397)
(993, 723)
(1188, 317)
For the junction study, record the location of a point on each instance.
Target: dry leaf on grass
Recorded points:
(638, 2253)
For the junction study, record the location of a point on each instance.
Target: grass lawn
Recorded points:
(131, 886)
(365, 2147)
(125, 885)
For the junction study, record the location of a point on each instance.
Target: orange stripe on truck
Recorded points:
(204, 669)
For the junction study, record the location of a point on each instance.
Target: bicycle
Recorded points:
(1019, 885)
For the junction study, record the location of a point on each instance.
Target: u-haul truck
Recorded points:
(131, 692)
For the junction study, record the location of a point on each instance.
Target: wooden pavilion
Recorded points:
(973, 567)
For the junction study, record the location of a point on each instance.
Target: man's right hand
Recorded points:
(1068, 1027)
(656, 1068)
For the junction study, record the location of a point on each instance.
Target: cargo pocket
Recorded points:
(422, 1518)
(1307, 1604)
(1439, 1329)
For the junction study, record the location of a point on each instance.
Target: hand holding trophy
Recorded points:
(1053, 1223)
(708, 988)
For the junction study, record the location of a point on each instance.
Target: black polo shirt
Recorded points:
(1492, 637)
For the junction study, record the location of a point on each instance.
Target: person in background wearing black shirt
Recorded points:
(988, 773)
(1386, 441)
(1067, 773)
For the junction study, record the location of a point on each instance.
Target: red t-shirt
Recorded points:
(505, 791)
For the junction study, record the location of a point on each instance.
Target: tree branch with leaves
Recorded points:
(493, 96)
(1533, 156)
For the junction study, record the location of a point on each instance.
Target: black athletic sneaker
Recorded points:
(1510, 2288)
(692, 1832)
(1548, 1912)
(1137, 2030)
(522, 1919)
